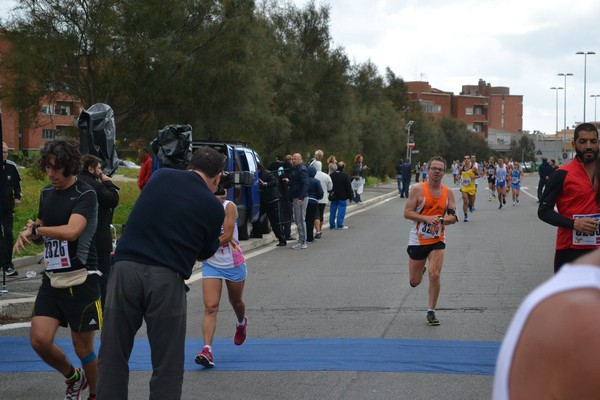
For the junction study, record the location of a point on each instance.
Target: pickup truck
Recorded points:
(244, 186)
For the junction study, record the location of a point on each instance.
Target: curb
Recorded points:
(16, 309)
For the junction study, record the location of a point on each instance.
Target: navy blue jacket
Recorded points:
(175, 221)
(299, 182)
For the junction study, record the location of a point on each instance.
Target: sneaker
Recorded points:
(299, 246)
(74, 388)
(331, 227)
(205, 358)
(500, 206)
(504, 200)
(431, 319)
(11, 272)
(318, 235)
(490, 199)
(466, 218)
(343, 228)
(240, 332)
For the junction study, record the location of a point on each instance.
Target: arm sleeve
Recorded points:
(546, 210)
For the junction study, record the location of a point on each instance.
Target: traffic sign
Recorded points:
(411, 145)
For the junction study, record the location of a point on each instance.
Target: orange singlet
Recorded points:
(421, 233)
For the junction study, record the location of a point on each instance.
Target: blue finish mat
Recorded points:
(372, 355)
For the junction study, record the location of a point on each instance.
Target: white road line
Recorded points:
(18, 325)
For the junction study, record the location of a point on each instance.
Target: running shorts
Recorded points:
(236, 274)
(421, 252)
(78, 307)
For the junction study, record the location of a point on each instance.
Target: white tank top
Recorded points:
(223, 257)
(568, 278)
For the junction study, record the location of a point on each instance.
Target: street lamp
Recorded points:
(565, 74)
(585, 54)
(408, 125)
(595, 96)
(556, 89)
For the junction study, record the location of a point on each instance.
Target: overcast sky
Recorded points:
(521, 44)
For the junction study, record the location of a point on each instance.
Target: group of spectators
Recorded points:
(292, 190)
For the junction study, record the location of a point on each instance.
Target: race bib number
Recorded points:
(516, 180)
(586, 239)
(466, 181)
(499, 179)
(56, 254)
(428, 231)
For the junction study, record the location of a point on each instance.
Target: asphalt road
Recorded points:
(354, 284)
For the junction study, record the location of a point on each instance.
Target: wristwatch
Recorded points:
(34, 229)
(441, 221)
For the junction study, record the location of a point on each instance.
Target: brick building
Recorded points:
(56, 114)
(482, 107)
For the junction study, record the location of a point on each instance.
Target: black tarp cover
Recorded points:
(97, 135)
(173, 146)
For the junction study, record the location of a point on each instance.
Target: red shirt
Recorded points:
(145, 172)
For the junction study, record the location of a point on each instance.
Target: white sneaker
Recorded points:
(299, 246)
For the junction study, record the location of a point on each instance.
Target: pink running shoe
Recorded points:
(240, 333)
(205, 358)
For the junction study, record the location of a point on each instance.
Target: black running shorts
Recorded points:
(421, 252)
(77, 306)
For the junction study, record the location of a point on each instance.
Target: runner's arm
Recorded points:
(546, 210)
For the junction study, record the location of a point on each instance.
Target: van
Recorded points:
(244, 190)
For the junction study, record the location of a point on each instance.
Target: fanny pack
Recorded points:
(64, 280)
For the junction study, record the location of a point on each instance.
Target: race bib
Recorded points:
(428, 231)
(586, 239)
(466, 181)
(56, 254)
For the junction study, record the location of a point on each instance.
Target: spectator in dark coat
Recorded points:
(406, 174)
(299, 195)
(11, 198)
(270, 203)
(107, 194)
(341, 194)
(544, 171)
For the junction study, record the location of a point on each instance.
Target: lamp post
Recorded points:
(585, 54)
(595, 96)
(408, 125)
(565, 74)
(556, 89)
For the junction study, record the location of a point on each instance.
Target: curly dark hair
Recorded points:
(67, 156)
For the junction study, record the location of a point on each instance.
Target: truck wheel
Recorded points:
(244, 230)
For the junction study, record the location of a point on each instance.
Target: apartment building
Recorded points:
(482, 107)
(25, 130)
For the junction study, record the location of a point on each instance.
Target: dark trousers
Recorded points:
(136, 293)
(6, 242)
(405, 186)
(312, 213)
(287, 212)
(275, 215)
(104, 265)
(540, 191)
(417, 177)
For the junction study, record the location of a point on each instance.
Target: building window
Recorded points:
(48, 134)
(48, 109)
(64, 108)
(430, 107)
(469, 111)
(478, 110)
